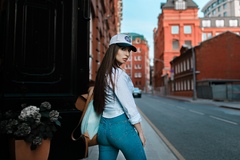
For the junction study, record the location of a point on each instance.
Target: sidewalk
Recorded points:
(155, 148)
(225, 104)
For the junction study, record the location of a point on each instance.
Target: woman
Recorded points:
(120, 127)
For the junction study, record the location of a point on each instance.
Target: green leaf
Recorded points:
(58, 123)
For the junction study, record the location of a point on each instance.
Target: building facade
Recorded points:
(222, 8)
(178, 24)
(105, 21)
(178, 28)
(137, 67)
(212, 26)
(216, 65)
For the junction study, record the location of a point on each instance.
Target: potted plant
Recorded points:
(32, 124)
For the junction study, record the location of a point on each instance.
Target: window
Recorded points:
(214, 4)
(137, 58)
(138, 50)
(138, 66)
(185, 85)
(188, 66)
(188, 84)
(225, 6)
(175, 69)
(220, 23)
(138, 75)
(128, 66)
(209, 35)
(138, 40)
(206, 23)
(225, 14)
(192, 85)
(214, 12)
(204, 36)
(180, 5)
(175, 29)
(233, 23)
(219, 8)
(188, 43)
(187, 29)
(135, 67)
(175, 44)
(184, 65)
(220, 1)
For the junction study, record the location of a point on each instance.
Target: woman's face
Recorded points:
(123, 55)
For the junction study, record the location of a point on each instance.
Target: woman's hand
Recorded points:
(142, 138)
(140, 133)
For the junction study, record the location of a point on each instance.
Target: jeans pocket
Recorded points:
(121, 130)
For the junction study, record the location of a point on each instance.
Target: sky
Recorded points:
(140, 16)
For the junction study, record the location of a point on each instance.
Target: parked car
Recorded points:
(137, 92)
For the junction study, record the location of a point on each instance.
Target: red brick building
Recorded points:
(138, 66)
(105, 22)
(179, 25)
(217, 62)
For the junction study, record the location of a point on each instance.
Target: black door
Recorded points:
(44, 53)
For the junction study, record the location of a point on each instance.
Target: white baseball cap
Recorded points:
(122, 40)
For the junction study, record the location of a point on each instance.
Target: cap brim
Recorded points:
(134, 49)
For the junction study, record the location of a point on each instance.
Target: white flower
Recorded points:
(31, 111)
(53, 115)
(46, 105)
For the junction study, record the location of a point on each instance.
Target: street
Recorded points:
(196, 131)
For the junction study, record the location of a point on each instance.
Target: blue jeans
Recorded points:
(116, 134)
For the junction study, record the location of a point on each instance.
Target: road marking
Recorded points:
(181, 108)
(224, 120)
(170, 146)
(200, 113)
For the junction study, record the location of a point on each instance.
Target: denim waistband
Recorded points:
(121, 117)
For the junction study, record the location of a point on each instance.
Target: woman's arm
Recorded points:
(140, 133)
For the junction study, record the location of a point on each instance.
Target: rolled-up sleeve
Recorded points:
(123, 90)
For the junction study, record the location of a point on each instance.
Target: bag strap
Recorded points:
(89, 98)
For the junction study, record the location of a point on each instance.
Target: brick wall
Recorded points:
(219, 57)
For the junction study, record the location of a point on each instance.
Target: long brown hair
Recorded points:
(108, 63)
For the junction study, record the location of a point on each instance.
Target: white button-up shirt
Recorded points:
(122, 100)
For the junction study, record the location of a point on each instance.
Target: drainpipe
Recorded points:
(194, 74)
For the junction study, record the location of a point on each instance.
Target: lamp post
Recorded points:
(164, 78)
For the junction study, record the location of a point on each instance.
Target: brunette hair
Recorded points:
(108, 64)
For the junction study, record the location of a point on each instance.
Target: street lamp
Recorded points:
(164, 76)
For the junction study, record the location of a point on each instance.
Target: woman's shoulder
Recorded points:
(121, 74)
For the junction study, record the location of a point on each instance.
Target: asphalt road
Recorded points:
(196, 131)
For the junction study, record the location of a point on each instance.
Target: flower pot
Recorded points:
(20, 150)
